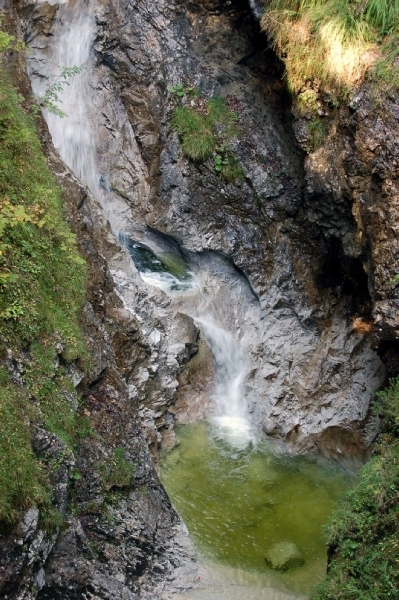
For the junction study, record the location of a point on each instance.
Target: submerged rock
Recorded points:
(284, 556)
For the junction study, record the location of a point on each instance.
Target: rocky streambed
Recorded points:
(294, 258)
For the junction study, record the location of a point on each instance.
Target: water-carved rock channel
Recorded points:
(255, 513)
(243, 297)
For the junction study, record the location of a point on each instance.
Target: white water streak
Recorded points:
(73, 135)
(231, 407)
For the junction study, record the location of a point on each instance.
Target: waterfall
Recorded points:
(78, 143)
(232, 415)
(200, 301)
(74, 136)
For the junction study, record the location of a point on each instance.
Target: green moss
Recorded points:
(117, 472)
(42, 290)
(204, 127)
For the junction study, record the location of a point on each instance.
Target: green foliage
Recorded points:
(386, 71)
(226, 163)
(5, 40)
(42, 290)
(42, 276)
(196, 134)
(333, 43)
(51, 98)
(181, 91)
(388, 406)
(22, 476)
(364, 529)
(205, 128)
(117, 472)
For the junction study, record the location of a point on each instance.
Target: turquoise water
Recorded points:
(237, 504)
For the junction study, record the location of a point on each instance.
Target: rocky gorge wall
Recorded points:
(314, 236)
(311, 373)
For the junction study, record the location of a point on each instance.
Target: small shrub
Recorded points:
(205, 127)
(117, 472)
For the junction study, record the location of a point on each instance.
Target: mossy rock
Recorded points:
(284, 556)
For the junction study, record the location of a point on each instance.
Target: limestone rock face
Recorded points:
(284, 556)
(309, 370)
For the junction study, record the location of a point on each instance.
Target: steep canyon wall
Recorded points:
(313, 235)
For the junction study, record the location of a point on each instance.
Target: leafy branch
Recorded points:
(51, 98)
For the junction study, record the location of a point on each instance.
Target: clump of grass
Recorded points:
(383, 15)
(197, 138)
(23, 479)
(364, 530)
(42, 290)
(203, 127)
(117, 472)
(332, 43)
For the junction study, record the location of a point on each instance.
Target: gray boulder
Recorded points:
(284, 556)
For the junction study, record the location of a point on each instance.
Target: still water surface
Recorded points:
(238, 503)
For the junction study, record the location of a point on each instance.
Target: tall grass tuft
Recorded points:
(332, 43)
(382, 14)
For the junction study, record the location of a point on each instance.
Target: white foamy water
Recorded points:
(231, 414)
(168, 283)
(73, 135)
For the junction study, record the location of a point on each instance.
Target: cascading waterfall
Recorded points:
(230, 407)
(77, 142)
(73, 135)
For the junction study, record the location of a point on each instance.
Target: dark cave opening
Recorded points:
(345, 275)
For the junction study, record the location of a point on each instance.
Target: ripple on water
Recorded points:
(238, 503)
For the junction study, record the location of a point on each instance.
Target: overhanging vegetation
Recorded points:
(335, 43)
(364, 530)
(42, 289)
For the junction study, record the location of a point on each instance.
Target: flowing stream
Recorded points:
(237, 496)
(201, 294)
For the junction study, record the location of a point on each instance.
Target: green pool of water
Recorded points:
(237, 504)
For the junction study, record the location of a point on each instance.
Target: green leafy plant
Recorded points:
(180, 90)
(51, 99)
(205, 128)
(117, 472)
(227, 165)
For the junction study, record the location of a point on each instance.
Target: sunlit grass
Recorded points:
(332, 43)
